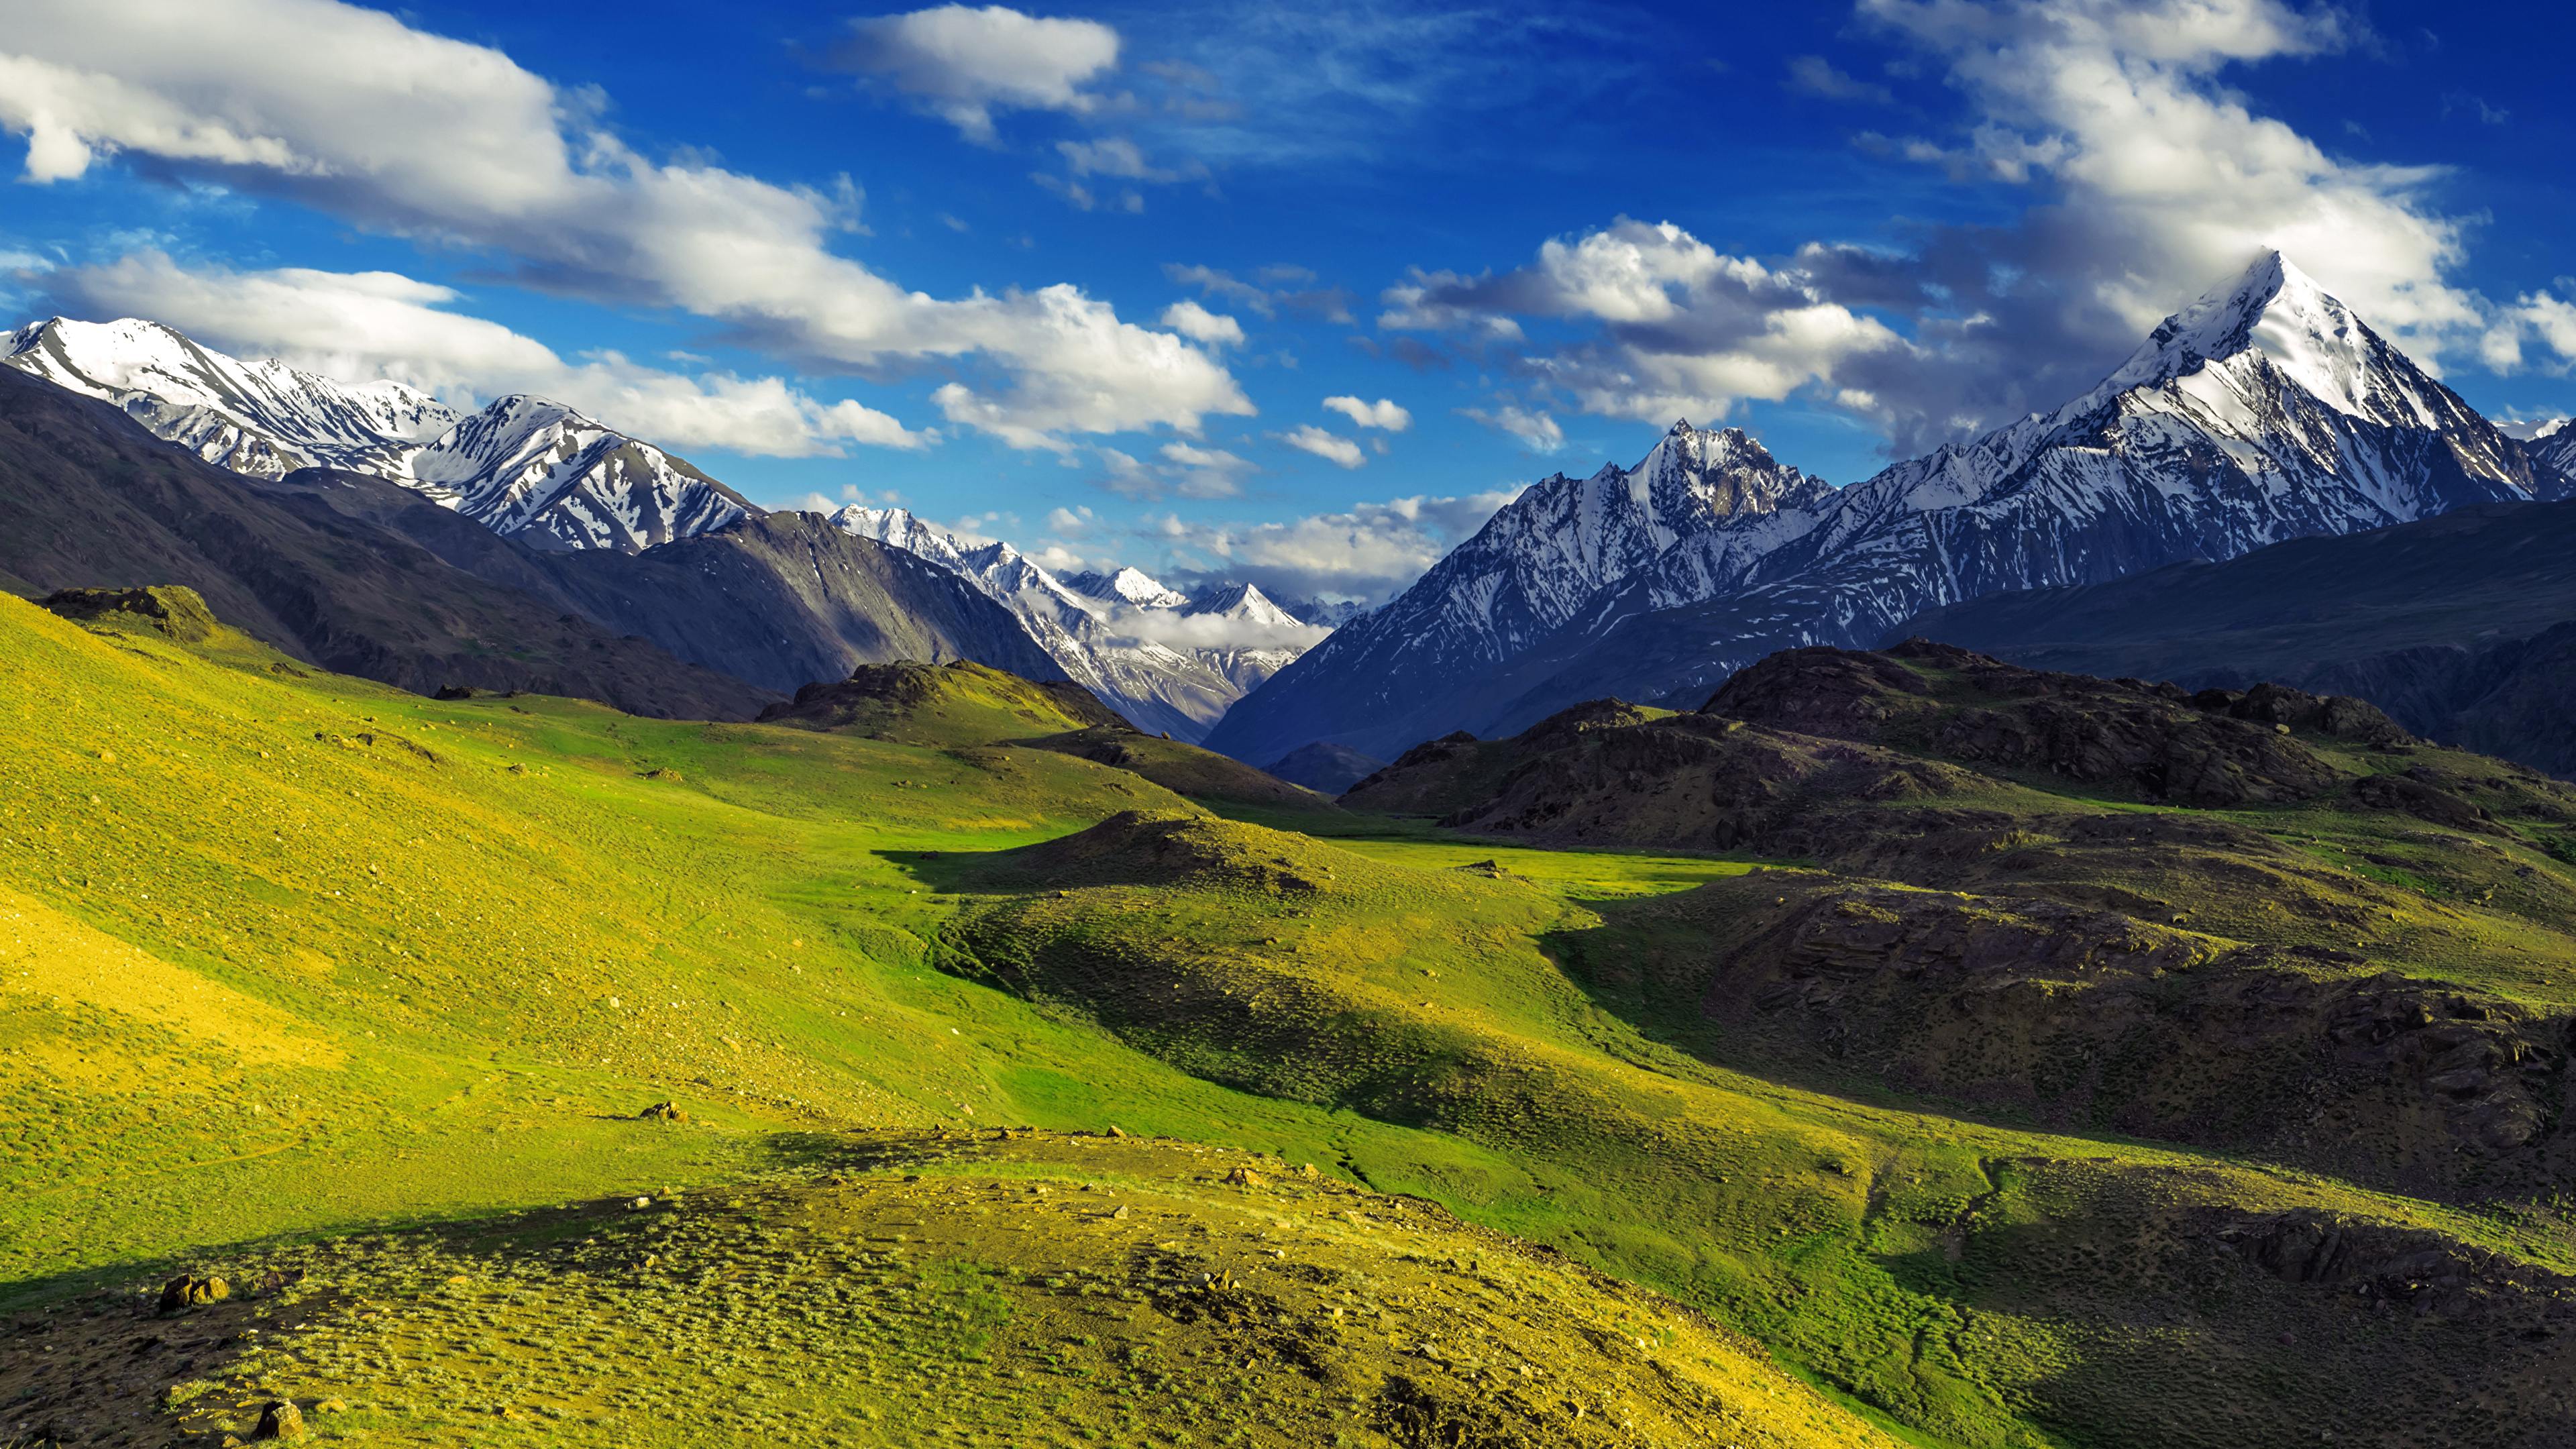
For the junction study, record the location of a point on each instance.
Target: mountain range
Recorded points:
(2266, 410)
(524, 466)
(1171, 662)
(547, 477)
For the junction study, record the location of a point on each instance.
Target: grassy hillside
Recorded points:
(303, 976)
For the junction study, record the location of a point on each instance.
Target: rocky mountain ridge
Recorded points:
(2264, 411)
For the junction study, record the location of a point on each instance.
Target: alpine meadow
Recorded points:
(814, 727)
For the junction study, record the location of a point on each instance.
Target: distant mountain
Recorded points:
(536, 470)
(1434, 654)
(1127, 586)
(2553, 445)
(2264, 411)
(1171, 662)
(2462, 626)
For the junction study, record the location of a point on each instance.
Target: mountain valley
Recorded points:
(541, 952)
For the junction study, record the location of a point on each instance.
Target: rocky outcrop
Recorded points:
(174, 612)
(2384, 1267)
(2216, 749)
(2090, 1017)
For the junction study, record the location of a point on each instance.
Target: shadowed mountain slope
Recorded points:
(95, 501)
(1325, 766)
(780, 599)
(2462, 627)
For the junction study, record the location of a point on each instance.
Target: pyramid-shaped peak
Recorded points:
(2276, 309)
(1681, 428)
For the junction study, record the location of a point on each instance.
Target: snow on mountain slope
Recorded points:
(261, 418)
(1170, 663)
(545, 474)
(1529, 572)
(534, 469)
(2266, 410)
(2553, 445)
(1127, 586)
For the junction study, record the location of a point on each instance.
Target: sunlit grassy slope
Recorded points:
(290, 958)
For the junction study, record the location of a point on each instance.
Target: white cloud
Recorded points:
(1372, 551)
(366, 325)
(1331, 447)
(453, 144)
(2538, 314)
(963, 63)
(1199, 324)
(1537, 431)
(1380, 414)
(1695, 331)
(1211, 631)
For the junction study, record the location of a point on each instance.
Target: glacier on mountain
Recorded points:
(2263, 411)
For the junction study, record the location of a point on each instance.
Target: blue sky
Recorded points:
(1086, 277)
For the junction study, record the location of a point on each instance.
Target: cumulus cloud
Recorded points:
(1370, 552)
(1175, 630)
(358, 326)
(1331, 447)
(1380, 414)
(963, 63)
(2150, 179)
(1199, 324)
(453, 144)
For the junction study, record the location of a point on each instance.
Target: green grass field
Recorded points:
(298, 974)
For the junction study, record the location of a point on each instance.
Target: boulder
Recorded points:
(189, 1291)
(280, 1419)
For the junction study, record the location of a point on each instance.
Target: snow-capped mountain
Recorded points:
(523, 466)
(1528, 573)
(1170, 663)
(545, 474)
(2266, 410)
(1126, 586)
(265, 419)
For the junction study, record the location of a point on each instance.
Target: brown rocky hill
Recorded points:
(2258, 920)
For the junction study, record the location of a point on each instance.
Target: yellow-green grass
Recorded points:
(1848, 1236)
(750, 921)
(1034, 1290)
